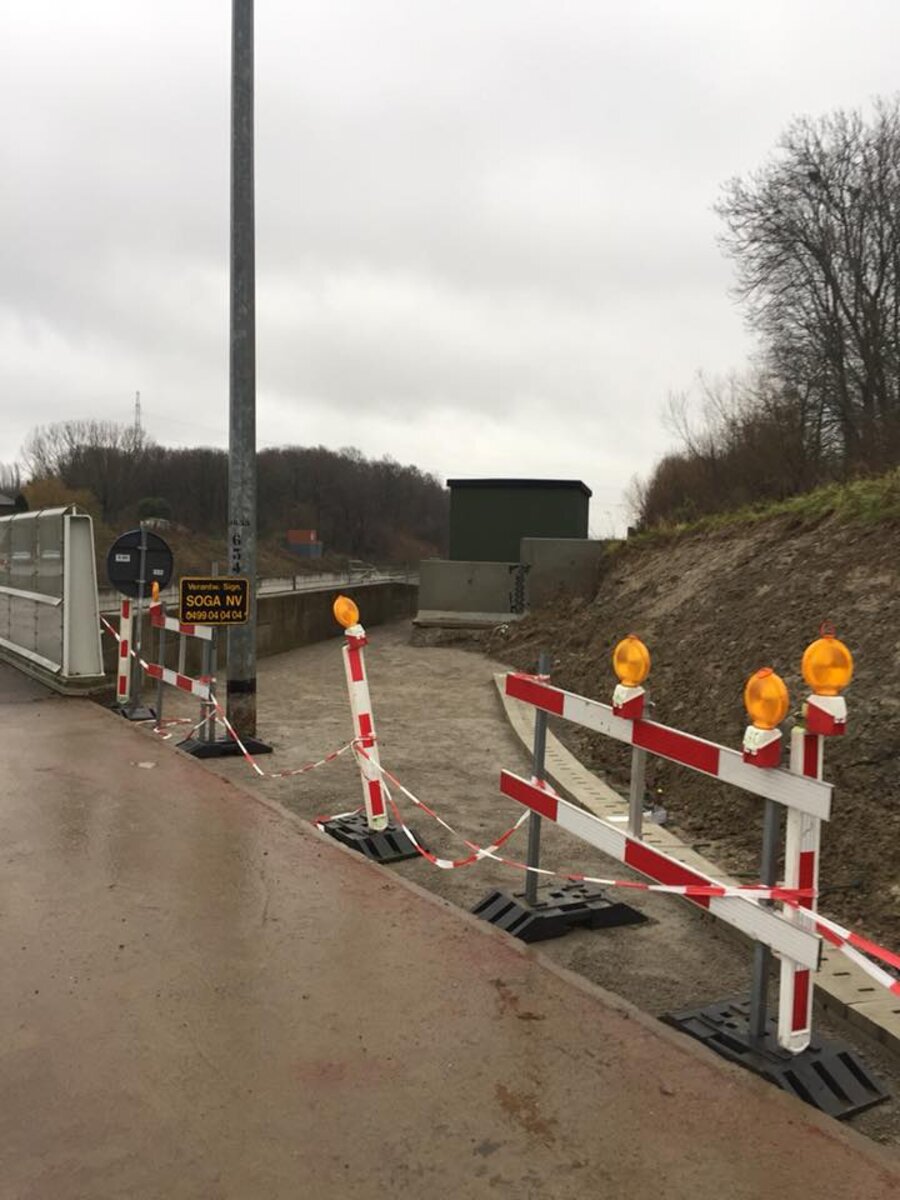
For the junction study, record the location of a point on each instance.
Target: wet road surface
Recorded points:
(201, 997)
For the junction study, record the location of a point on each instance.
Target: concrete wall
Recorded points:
(466, 587)
(284, 622)
(555, 565)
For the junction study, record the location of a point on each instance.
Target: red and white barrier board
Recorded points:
(785, 937)
(184, 683)
(808, 794)
(159, 620)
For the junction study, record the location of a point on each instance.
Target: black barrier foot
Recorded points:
(558, 910)
(829, 1075)
(137, 712)
(382, 845)
(223, 747)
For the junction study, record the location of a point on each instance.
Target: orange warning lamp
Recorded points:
(766, 698)
(345, 612)
(767, 702)
(827, 666)
(154, 592)
(631, 662)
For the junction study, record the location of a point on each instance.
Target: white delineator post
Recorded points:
(123, 680)
(827, 667)
(801, 870)
(364, 727)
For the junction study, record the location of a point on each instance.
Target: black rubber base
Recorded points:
(829, 1075)
(225, 747)
(137, 712)
(557, 911)
(383, 845)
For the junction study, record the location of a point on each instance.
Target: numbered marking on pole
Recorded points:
(211, 600)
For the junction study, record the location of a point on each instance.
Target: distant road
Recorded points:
(323, 582)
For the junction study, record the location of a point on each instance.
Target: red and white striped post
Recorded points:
(123, 680)
(767, 702)
(347, 614)
(631, 663)
(827, 668)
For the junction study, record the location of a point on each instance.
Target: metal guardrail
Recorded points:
(48, 595)
(279, 585)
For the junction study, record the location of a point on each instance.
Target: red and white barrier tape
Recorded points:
(747, 891)
(154, 670)
(160, 726)
(115, 633)
(856, 947)
(853, 945)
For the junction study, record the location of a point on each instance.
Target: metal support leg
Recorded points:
(762, 955)
(537, 771)
(636, 791)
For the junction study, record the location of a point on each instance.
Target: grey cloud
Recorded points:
(484, 230)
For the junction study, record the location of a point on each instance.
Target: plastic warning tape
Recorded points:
(154, 670)
(763, 924)
(812, 796)
(125, 649)
(746, 891)
(159, 620)
(856, 947)
(286, 774)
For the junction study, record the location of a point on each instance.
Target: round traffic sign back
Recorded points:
(123, 562)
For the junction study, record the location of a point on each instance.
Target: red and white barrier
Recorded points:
(364, 727)
(123, 675)
(766, 925)
(809, 795)
(159, 620)
(184, 683)
(801, 790)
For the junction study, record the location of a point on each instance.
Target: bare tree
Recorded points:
(10, 479)
(815, 235)
(103, 457)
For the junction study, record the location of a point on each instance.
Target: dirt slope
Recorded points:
(713, 607)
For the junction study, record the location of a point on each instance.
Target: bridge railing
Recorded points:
(49, 617)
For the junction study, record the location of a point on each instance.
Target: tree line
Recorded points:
(361, 507)
(815, 238)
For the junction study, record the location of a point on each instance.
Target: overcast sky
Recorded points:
(485, 242)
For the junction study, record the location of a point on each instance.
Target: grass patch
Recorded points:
(869, 501)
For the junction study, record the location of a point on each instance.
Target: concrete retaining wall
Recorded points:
(466, 587)
(555, 565)
(284, 621)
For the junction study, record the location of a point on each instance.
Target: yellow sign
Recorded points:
(211, 600)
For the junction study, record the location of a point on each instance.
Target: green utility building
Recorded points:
(489, 517)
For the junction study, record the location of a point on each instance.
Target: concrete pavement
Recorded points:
(201, 997)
